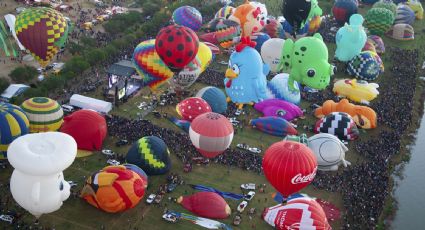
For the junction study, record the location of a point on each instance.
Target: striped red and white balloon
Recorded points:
(211, 134)
(289, 166)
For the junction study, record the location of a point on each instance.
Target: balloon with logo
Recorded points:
(188, 16)
(150, 67)
(204, 55)
(271, 51)
(224, 12)
(185, 78)
(43, 31)
(289, 180)
(177, 46)
(226, 31)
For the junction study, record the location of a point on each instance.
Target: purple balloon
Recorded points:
(279, 108)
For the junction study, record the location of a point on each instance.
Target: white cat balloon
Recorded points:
(37, 183)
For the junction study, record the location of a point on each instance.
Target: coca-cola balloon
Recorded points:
(289, 166)
(177, 46)
(298, 213)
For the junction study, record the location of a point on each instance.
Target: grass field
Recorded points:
(77, 214)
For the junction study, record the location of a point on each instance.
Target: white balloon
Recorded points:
(37, 183)
(271, 52)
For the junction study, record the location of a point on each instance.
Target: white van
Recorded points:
(68, 108)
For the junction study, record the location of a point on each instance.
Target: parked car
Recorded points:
(158, 199)
(171, 187)
(237, 220)
(171, 217)
(242, 206)
(68, 108)
(156, 114)
(254, 150)
(121, 143)
(150, 198)
(248, 186)
(72, 183)
(242, 146)
(108, 152)
(7, 218)
(250, 195)
(113, 162)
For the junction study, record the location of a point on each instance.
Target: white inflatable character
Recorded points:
(37, 183)
(329, 150)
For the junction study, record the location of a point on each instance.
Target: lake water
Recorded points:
(410, 191)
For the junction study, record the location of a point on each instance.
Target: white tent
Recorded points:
(90, 103)
(12, 91)
(10, 20)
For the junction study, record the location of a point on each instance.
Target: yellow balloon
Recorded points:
(204, 55)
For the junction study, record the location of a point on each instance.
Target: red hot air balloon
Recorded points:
(206, 204)
(192, 107)
(289, 166)
(299, 213)
(177, 46)
(211, 134)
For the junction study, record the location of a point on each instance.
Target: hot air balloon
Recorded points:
(343, 9)
(37, 183)
(226, 32)
(192, 107)
(378, 20)
(188, 16)
(204, 55)
(364, 66)
(215, 97)
(259, 38)
(402, 32)
(13, 124)
(329, 151)
(279, 108)
(386, 4)
(185, 78)
(43, 31)
(149, 66)
(177, 46)
(211, 134)
(273, 28)
(298, 213)
(404, 15)
(150, 154)
(275, 126)
(114, 189)
(44, 114)
(87, 127)
(289, 180)
(378, 43)
(339, 124)
(206, 204)
(224, 12)
(249, 17)
(271, 51)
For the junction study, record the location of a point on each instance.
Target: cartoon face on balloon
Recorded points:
(249, 17)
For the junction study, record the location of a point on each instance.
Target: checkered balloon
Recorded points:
(364, 66)
(42, 31)
(338, 124)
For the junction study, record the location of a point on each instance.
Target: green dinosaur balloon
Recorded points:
(306, 60)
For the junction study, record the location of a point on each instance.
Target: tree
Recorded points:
(4, 83)
(110, 50)
(23, 74)
(76, 64)
(88, 41)
(95, 56)
(53, 82)
(74, 48)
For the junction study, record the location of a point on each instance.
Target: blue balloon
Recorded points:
(214, 97)
(259, 38)
(350, 39)
(188, 16)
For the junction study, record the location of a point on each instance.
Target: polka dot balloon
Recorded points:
(192, 107)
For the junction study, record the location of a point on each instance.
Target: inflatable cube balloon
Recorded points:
(350, 39)
(37, 183)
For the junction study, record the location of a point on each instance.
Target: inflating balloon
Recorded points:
(271, 51)
(404, 15)
(150, 67)
(276, 126)
(259, 38)
(416, 6)
(307, 61)
(273, 28)
(364, 116)
(364, 66)
(226, 32)
(150, 154)
(211, 134)
(224, 12)
(114, 189)
(188, 16)
(37, 183)
(177, 46)
(350, 39)
(358, 91)
(249, 18)
(378, 43)
(13, 124)
(329, 151)
(186, 77)
(205, 56)
(214, 49)
(378, 20)
(192, 107)
(289, 180)
(369, 46)
(44, 114)
(343, 9)
(278, 88)
(386, 4)
(214, 97)
(402, 32)
(206, 204)
(339, 124)
(43, 31)
(279, 108)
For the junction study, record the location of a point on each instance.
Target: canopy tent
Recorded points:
(90, 103)
(12, 91)
(10, 20)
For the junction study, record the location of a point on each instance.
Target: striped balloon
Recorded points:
(226, 31)
(211, 134)
(224, 12)
(13, 124)
(44, 114)
(149, 66)
(188, 16)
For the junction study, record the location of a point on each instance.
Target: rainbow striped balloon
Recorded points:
(13, 124)
(44, 114)
(149, 65)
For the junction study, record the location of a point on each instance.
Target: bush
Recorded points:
(95, 56)
(76, 65)
(117, 23)
(53, 82)
(4, 83)
(23, 74)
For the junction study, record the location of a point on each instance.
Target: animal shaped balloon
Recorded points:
(276, 126)
(289, 180)
(339, 124)
(263, 10)
(364, 66)
(245, 80)
(343, 9)
(13, 124)
(378, 20)
(350, 39)
(37, 183)
(214, 97)
(188, 16)
(278, 88)
(43, 31)
(296, 12)
(115, 188)
(192, 107)
(365, 117)
(249, 18)
(44, 114)
(279, 108)
(271, 51)
(358, 91)
(307, 61)
(329, 151)
(206, 204)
